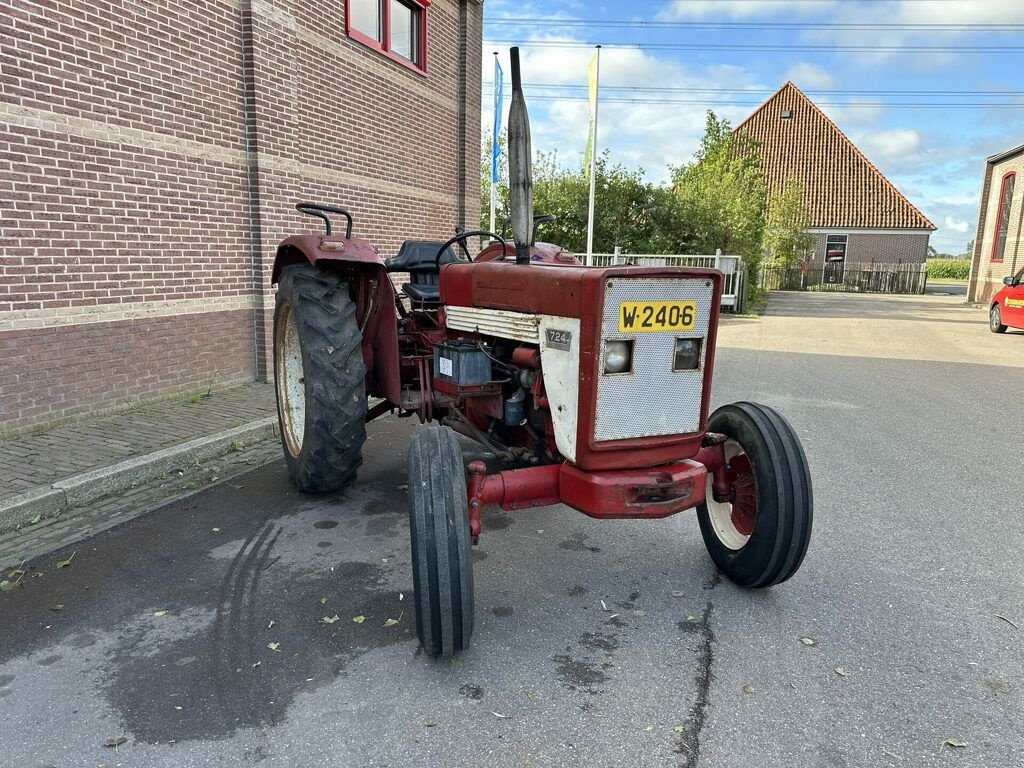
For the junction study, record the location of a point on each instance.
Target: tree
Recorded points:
(722, 194)
(631, 213)
(786, 239)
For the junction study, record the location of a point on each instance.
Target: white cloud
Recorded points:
(810, 77)
(740, 9)
(957, 225)
(895, 144)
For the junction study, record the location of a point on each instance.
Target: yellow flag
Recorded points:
(591, 138)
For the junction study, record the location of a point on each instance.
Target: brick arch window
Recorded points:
(1003, 216)
(395, 28)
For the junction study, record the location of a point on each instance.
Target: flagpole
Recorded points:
(593, 162)
(494, 134)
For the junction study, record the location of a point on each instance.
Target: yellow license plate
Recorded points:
(638, 316)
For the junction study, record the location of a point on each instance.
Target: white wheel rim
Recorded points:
(291, 381)
(720, 512)
(994, 319)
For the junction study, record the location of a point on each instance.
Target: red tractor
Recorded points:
(590, 386)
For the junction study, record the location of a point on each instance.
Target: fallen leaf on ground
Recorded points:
(323, 601)
(274, 647)
(430, 724)
(215, 530)
(640, 612)
(808, 641)
(501, 716)
(35, 520)
(57, 607)
(383, 559)
(271, 624)
(1000, 616)
(66, 563)
(679, 728)
(748, 688)
(159, 613)
(115, 742)
(540, 530)
(649, 728)
(178, 708)
(359, 619)
(7, 586)
(953, 743)
(678, 593)
(390, 622)
(257, 664)
(691, 618)
(841, 672)
(330, 619)
(603, 605)
(401, 597)
(403, 487)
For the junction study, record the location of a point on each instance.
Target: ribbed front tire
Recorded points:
(439, 531)
(759, 536)
(319, 376)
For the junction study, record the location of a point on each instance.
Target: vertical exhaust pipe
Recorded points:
(520, 175)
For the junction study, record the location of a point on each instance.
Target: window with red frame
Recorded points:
(1003, 216)
(396, 28)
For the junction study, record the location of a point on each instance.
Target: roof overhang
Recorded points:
(1007, 154)
(869, 230)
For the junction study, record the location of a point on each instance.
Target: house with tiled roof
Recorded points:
(857, 215)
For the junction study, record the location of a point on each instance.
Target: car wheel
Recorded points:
(995, 320)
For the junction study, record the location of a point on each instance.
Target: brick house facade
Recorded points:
(150, 158)
(854, 210)
(999, 242)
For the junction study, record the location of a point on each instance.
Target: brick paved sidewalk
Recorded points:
(43, 458)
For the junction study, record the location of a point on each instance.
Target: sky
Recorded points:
(683, 64)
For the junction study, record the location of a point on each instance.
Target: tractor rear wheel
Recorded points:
(995, 320)
(442, 568)
(760, 535)
(320, 377)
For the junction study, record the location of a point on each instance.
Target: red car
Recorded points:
(1008, 305)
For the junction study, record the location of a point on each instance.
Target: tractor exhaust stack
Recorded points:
(520, 175)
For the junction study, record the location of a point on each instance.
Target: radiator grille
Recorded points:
(652, 399)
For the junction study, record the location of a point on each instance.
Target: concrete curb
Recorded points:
(79, 490)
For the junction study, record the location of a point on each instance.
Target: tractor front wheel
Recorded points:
(320, 378)
(759, 535)
(442, 568)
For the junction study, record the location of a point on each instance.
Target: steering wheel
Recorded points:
(461, 237)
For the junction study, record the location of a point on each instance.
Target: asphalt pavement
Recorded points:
(250, 625)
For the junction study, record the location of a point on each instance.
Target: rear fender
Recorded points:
(373, 292)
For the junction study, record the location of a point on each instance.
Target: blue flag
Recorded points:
(499, 82)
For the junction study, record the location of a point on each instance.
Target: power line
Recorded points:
(843, 105)
(788, 48)
(758, 25)
(845, 92)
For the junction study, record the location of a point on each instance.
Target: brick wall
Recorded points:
(878, 247)
(150, 158)
(987, 275)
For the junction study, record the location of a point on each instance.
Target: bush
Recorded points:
(949, 269)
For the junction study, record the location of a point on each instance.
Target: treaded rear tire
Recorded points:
(785, 504)
(442, 565)
(322, 443)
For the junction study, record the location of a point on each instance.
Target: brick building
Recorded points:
(999, 242)
(856, 213)
(151, 155)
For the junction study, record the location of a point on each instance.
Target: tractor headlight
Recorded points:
(687, 355)
(618, 356)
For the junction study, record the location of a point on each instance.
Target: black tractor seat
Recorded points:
(419, 259)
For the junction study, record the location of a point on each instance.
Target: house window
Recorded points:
(1003, 217)
(395, 28)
